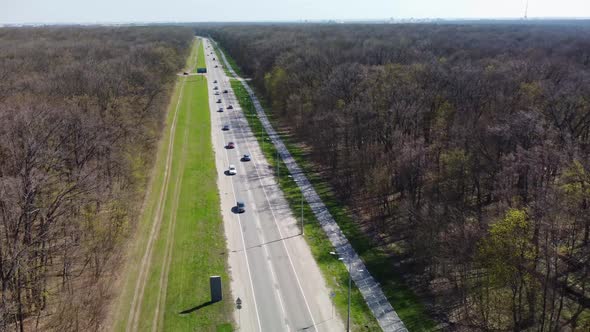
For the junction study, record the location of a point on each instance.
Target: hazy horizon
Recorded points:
(135, 11)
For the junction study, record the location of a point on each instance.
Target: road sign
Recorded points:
(239, 303)
(215, 286)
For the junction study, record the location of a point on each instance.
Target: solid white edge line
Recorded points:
(280, 232)
(244, 246)
(273, 274)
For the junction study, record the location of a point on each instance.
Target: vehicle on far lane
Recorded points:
(225, 127)
(240, 207)
(217, 93)
(216, 87)
(230, 107)
(220, 109)
(219, 101)
(246, 157)
(215, 81)
(225, 91)
(232, 170)
(230, 145)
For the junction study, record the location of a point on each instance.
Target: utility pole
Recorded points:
(332, 295)
(349, 287)
(278, 167)
(349, 267)
(302, 195)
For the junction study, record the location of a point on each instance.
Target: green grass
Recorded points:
(196, 249)
(229, 59)
(407, 305)
(191, 61)
(201, 56)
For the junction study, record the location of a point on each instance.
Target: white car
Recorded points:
(232, 170)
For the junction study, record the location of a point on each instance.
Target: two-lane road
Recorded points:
(272, 269)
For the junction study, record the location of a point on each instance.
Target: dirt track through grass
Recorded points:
(135, 311)
(180, 241)
(136, 305)
(158, 315)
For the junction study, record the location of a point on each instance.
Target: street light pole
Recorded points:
(349, 287)
(302, 230)
(349, 267)
(278, 167)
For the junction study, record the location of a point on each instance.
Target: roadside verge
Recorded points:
(179, 237)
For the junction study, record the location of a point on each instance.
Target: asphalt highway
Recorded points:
(273, 271)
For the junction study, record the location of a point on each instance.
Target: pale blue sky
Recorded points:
(104, 11)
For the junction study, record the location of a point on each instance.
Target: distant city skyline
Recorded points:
(131, 11)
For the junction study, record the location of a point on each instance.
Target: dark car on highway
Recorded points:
(230, 145)
(225, 91)
(216, 87)
(246, 157)
(215, 81)
(220, 109)
(219, 101)
(240, 207)
(230, 107)
(225, 127)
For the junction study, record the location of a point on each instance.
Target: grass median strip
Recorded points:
(201, 55)
(231, 61)
(199, 249)
(191, 63)
(189, 245)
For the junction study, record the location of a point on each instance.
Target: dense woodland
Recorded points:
(463, 148)
(80, 111)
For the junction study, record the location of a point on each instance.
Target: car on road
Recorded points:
(216, 66)
(246, 157)
(240, 207)
(219, 101)
(225, 127)
(217, 93)
(185, 73)
(232, 170)
(230, 107)
(230, 145)
(216, 87)
(220, 109)
(215, 81)
(225, 91)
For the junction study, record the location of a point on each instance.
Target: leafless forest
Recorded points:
(464, 149)
(80, 111)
